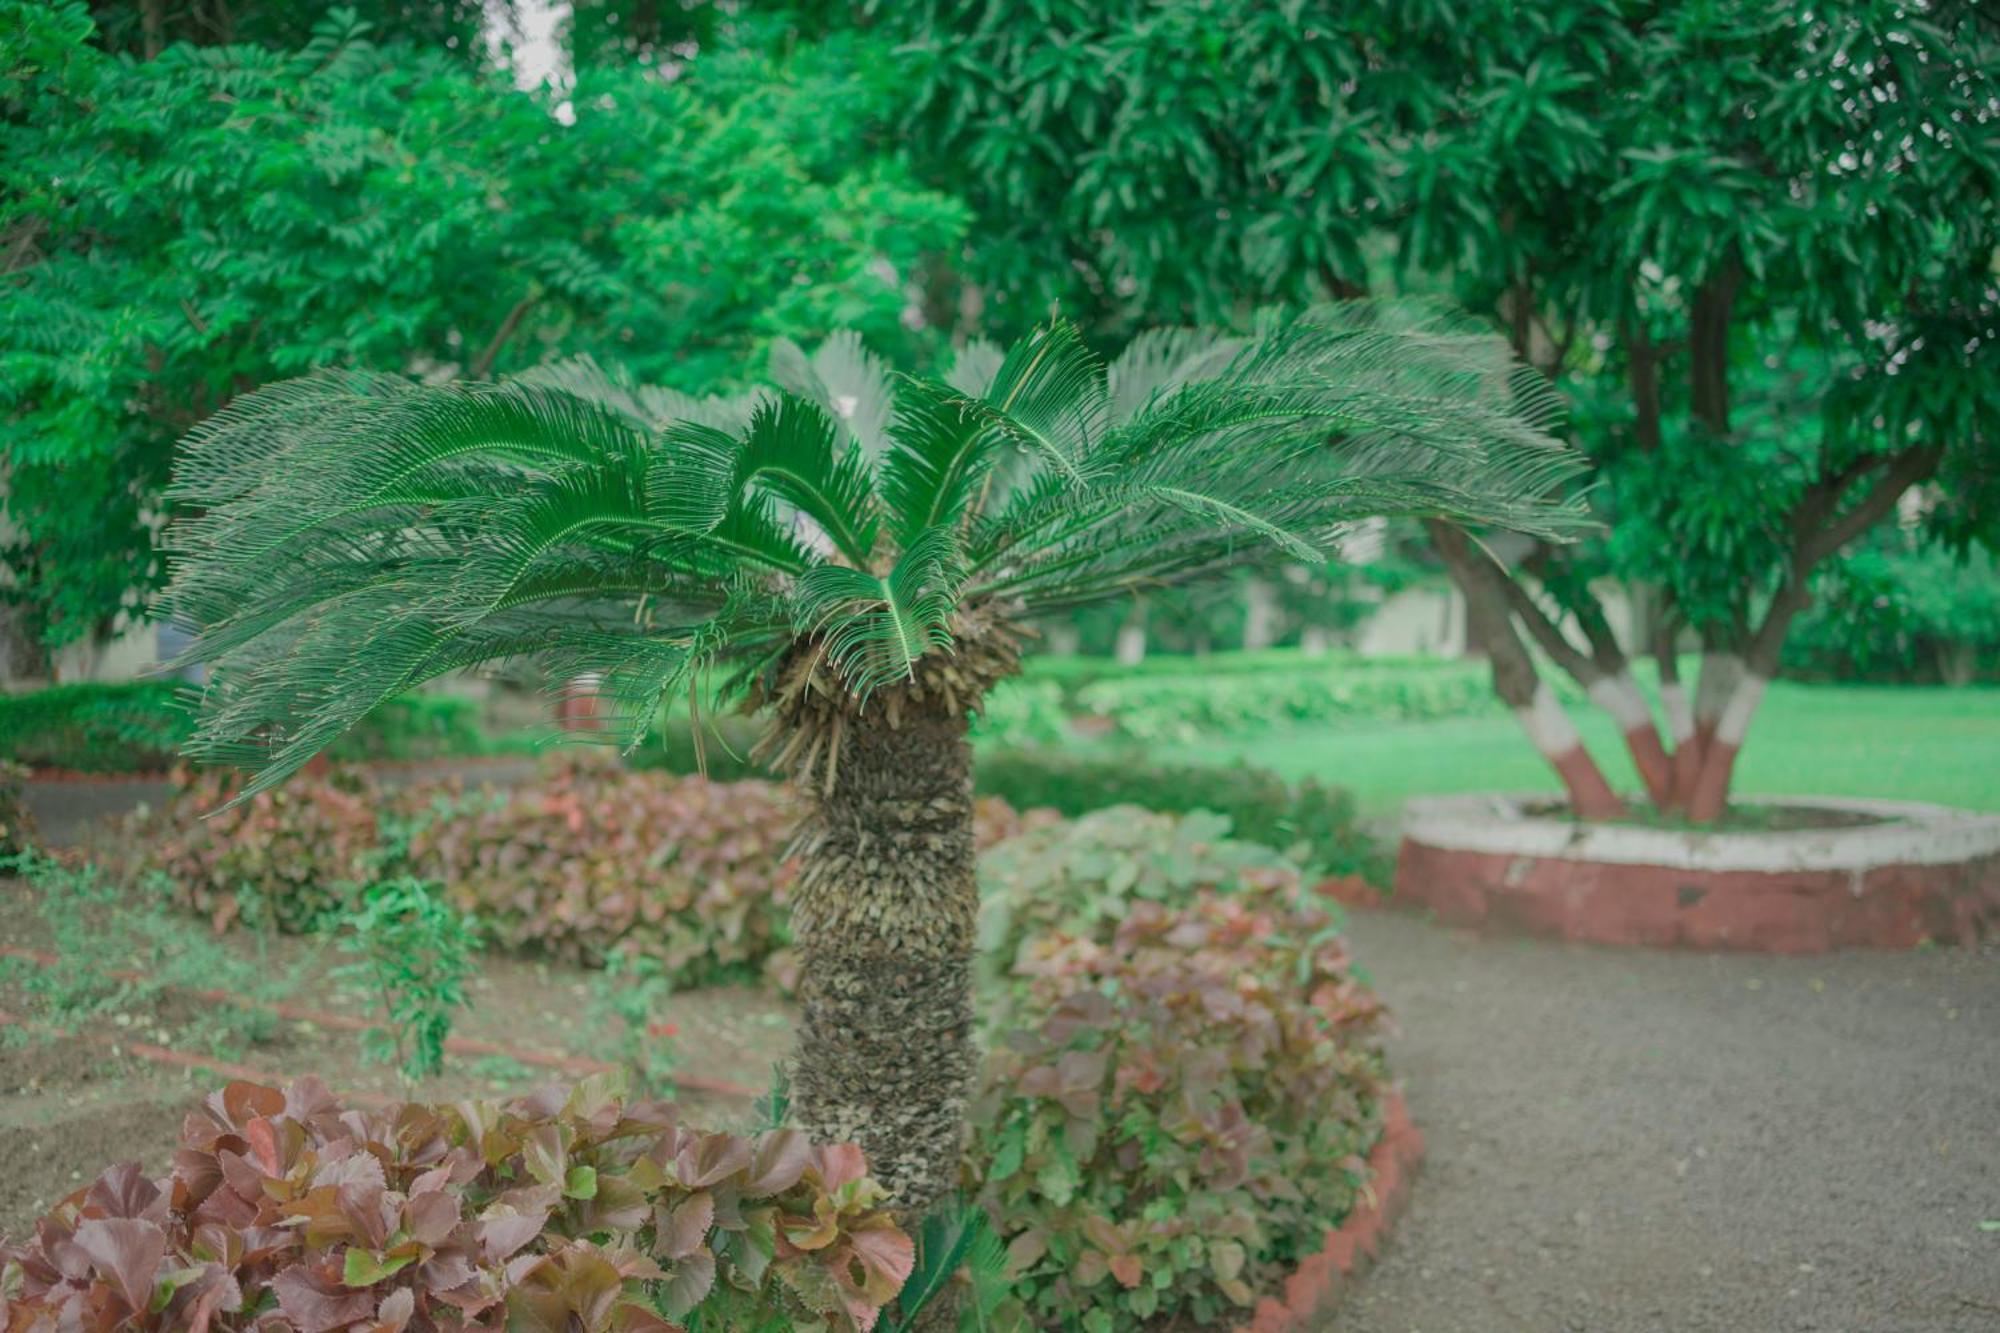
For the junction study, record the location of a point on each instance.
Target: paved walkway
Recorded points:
(1689, 1142)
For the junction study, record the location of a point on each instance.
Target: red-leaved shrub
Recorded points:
(1186, 1078)
(587, 859)
(592, 857)
(568, 1209)
(297, 853)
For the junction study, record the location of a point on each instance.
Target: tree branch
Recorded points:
(1820, 528)
(483, 365)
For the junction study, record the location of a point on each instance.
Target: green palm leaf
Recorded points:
(873, 628)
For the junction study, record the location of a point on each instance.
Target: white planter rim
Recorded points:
(1911, 833)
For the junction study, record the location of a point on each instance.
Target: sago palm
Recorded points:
(858, 552)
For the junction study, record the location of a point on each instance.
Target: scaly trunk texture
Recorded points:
(884, 915)
(885, 909)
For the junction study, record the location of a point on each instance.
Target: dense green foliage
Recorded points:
(1186, 1078)
(1891, 612)
(1755, 243)
(581, 1211)
(180, 230)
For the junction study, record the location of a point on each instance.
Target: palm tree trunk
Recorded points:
(884, 915)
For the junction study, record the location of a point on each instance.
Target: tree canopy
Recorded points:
(184, 229)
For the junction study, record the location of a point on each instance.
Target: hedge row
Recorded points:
(140, 726)
(590, 859)
(1316, 824)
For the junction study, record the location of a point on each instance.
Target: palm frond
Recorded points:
(845, 379)
(793, 451)
(873, 628)
(943, 452)
(649, 406)
(355, 536)
(1048, 399)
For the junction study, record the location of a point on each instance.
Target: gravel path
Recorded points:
(1689, 1142)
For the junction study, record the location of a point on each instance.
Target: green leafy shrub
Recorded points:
(1190, 1080)
(292, 858)
(1082, 877)
(560, 1210)
(1185, 708)
(1316, 824)
(413, 955)
(17, 822)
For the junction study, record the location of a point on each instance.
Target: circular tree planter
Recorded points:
(1883, 874)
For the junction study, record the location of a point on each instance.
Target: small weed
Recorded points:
(626, 1000)
(414, 955)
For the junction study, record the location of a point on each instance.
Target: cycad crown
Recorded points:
(356, 534)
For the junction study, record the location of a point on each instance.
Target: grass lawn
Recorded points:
(1905, 743)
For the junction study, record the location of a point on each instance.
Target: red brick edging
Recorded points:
(1914, 873)
(1317, 1285)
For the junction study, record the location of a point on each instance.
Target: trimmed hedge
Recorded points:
(1315, 824)
(140, 726)
(589, 860)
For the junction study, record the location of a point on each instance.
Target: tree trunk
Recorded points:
(884, 915)
(1131, 646)
(1490, 624)
(1260, 616)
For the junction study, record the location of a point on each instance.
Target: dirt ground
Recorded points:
(1638, 1140)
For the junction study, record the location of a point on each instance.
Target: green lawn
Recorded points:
(1906, 743)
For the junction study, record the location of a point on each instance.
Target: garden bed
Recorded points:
(1831, 874)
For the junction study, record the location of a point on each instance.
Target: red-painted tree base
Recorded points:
(1916, 873)
(1316, 1286)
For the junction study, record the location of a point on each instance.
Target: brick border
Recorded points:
(1317, 1285)
(1920, 873)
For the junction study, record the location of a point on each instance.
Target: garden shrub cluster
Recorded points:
(594, 857)
(1316, 824)
(140, 726)
(590, 859)
(1186, 1076)
(569, 1210)
(291, 858)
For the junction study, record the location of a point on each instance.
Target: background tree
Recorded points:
(859, 552)
(1756, 243)
(177, 231)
